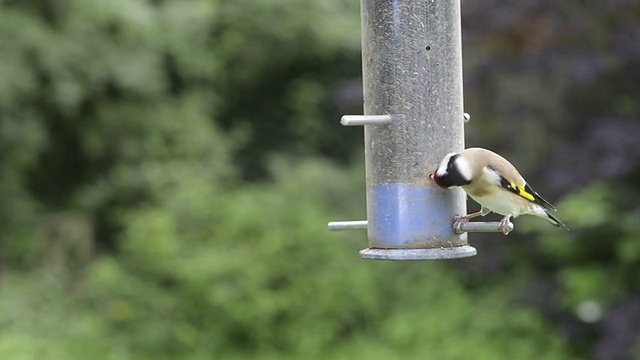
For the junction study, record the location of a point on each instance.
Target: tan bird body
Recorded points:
(494, 183)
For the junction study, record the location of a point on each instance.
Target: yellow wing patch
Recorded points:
(522, 192)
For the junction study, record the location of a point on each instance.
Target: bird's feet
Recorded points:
(458, 221)
(461, 219)
(505, 225)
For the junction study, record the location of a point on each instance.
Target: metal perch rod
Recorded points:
(458, 228)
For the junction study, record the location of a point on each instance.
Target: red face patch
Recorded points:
(434, 177)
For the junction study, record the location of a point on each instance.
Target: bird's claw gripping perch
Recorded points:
(505, 225)
(458, 221)
(461, 224)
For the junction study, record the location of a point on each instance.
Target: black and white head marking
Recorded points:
(453, 171)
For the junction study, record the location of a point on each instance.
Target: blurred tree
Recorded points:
(286, 86)
(258, 276)
(104, 104)
(550, 86)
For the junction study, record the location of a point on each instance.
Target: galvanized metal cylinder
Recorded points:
(412, 70)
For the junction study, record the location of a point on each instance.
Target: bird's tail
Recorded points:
(554, 220)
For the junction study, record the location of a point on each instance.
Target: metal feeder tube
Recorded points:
(412, 71)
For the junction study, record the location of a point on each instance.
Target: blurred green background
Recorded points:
(167, 170)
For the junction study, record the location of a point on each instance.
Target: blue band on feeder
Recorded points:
(409, 216)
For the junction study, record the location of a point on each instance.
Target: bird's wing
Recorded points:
(539, 199)
(526, 192)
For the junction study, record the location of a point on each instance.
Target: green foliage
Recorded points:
(41, 321)
(168, 142)
(601, 252)
(594, 266)
(280, 81)
(105, 105)
(20, 141)
(253, 273)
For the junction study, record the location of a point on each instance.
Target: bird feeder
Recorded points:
(413, 117)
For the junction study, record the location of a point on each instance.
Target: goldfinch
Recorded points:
(495, 184)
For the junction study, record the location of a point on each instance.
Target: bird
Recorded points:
(495, 184)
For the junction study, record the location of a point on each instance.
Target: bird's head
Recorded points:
(454, 170)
